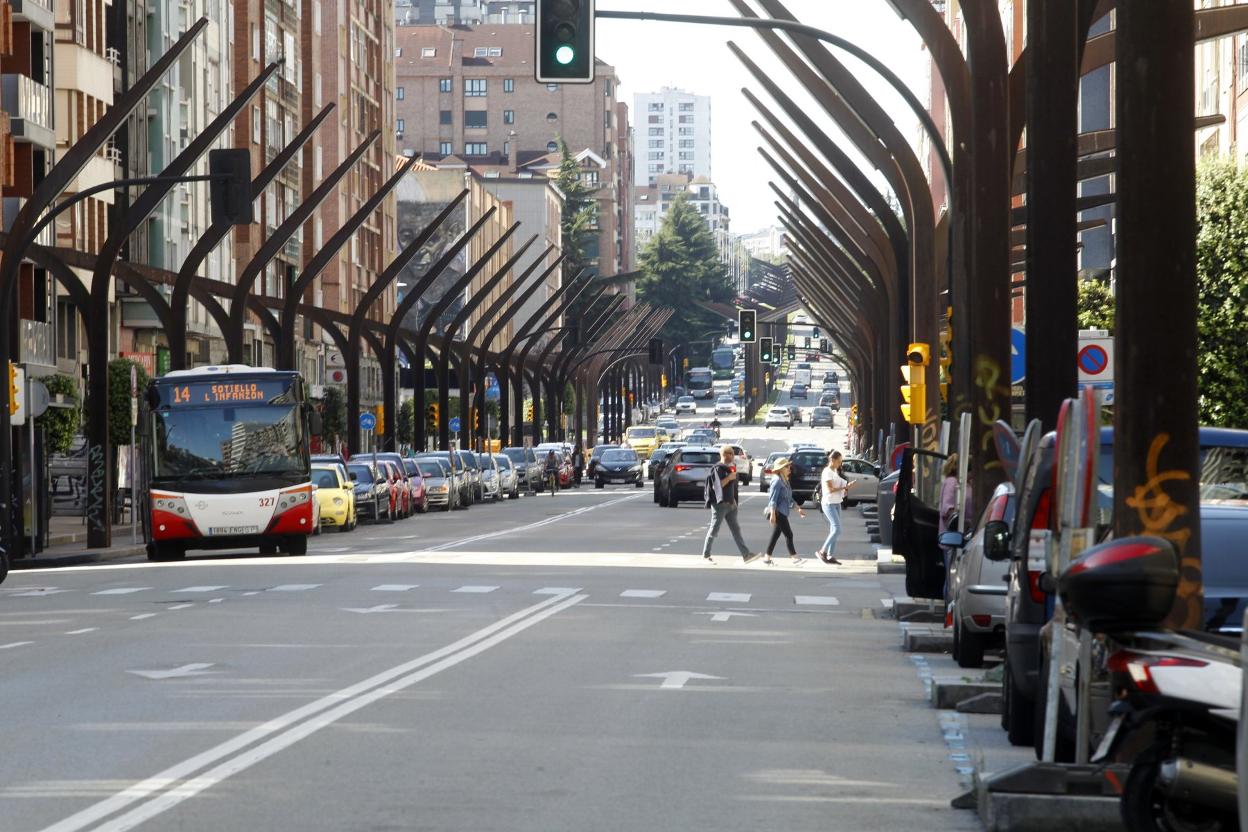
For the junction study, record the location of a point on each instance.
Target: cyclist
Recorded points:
(552, 472)
(715, 426)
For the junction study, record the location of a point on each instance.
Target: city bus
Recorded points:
(723, 362)
(226, 461)
(700, 382)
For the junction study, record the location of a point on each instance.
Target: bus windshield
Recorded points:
(722, 361)
(699, 379)
(229, 442)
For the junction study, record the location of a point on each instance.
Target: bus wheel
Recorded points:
(268, 548)
(297, 545)
(164, 552)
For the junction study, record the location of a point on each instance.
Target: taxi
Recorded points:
(644, 439)
(336, 497)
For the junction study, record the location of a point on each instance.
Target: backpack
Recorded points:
(713, 489)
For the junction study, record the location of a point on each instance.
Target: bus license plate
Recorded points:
(231, 530)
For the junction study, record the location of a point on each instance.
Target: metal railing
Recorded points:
(27, 99)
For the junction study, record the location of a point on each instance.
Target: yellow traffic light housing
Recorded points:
(381, 418)
(914, 391)
(15, 389)
(432, 419)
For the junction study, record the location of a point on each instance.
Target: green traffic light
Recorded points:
(565, 55)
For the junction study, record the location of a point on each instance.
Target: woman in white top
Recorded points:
(834, 487)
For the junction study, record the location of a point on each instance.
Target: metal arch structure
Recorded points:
(274, 243)
(562, 371)
(588, 335)
(286, 344)
(99, 462)
(20, 237)
(405, 305)
(213, 237)
(613, 340)
(351, 354)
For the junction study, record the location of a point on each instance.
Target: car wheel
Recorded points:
(972, 646)
(1064, 749)
(638, 483)
(599, 484)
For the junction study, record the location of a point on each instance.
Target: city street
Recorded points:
(560, 663)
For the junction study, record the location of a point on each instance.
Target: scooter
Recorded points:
(1176, 694)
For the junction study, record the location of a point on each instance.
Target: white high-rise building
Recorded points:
(673, 135)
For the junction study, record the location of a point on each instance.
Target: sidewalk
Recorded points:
(67, 545)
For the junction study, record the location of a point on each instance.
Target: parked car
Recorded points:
(491, 485)
(460, 476)
(528, 469)
(439, 487)
(726, 404)
(508, 477)
(618, 465)
(778, 417)
(797, 391)
(336, 496)
(473, 468)
(864, 480)
(563, 454)
(684, 475)
(420, 488)
(331, 459)
(821, 417)
(400, 496)
(977, 588)
(372, 490)
(686, 404)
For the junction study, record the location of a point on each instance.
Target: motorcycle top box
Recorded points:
(1125, 584)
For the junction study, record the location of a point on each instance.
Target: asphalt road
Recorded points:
(565, 663)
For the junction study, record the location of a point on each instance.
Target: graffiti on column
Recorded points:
(95, 488)
(988, 377)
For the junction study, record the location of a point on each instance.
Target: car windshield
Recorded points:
(503, 461)
(514, 454)
(688, 399)
(821, 411)
(600, 450)
(485, 460)
(362, 473)
(431, 469)
(619, 455)
(641, 433)
(699, 457)
(324, 478)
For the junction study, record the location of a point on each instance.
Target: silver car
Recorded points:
(528, 468)
(864, 481)
(439, 484)
(460, 479)
(976, 586)
(491, 485)
(508, 477)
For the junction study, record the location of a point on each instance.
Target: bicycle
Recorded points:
(552, 482)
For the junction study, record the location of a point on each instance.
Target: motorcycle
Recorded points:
(1176, 693)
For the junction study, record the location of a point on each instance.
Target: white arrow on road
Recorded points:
(674, 679)
(196, 669)
(386, 608)
(724, 616)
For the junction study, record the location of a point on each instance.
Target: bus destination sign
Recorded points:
(201, 393)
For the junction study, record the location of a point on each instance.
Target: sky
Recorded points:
(648, 55)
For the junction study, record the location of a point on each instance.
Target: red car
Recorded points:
(420, 499)
(400, 492)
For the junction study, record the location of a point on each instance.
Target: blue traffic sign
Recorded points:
(1018, 356)
(454, 425)
(491, 388)
(367, 421)
(1093, 359)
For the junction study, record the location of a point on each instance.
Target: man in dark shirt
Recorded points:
(722, 501)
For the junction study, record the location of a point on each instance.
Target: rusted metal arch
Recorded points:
(601, 365)
(817, 242)
(563, 371)
(274, 243)
(409, 300)
(213, 237)
(351, 355)
(534, 323)
(557, 378)
(322, 258)
(99, 465)
(496, 318)
(457, 322)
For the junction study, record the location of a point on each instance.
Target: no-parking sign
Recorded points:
(1096, 361)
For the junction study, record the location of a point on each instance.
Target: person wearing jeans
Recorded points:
(722, 500)
(834, 488)
(779, 503)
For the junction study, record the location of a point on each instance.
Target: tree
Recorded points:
(407, 422)
(334, 415)
(119, 399)
(60, 424)
(1095, 305)
(680, 267)
(1222, 304)
(580, 212)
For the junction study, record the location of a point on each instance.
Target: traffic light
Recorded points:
(792, 351)
(815, 332)
(807, 342)
(853, 415)
(432, 419)
(528, 411)
(565, 41)
(914, 391)
(476, 420)
(946, 356)
(684, 362)
(823, 345)
(663, 381)
(656, 351)
(747, 320)
(229, 191)
(381, 418)
(16, 382)
(764, 350)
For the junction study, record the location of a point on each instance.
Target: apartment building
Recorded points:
(457, 12)
(673, 134)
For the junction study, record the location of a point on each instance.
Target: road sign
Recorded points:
(454, 425)
(491, 389)
(367, 421)
(1018, 356)
(1096, 360)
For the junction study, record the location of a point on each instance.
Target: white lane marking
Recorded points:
(215, 600)
(292, 587)
(816, 600)
(179, 606)
(201, 588)
(38, 592)
(643, 593)
(528, 527)
(674, 679)
(194, 669)
(479, 590)
(377, 608)
(80, 632)
(13, 644)
(724, 616)
(142, 616)
(732, 597)
(556, 590)
(393, 587)
(289, 730)
(122, 590)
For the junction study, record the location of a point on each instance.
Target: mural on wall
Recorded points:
(417, 208)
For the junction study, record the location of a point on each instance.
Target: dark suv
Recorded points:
(808, 465)
(684, 475)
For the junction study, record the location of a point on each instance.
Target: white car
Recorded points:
(779, 417)
(725, 404)
(686, 404)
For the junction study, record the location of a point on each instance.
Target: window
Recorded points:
(606, 87)
(656, 131)
(475, 149)
(656, 120)
(509, 116)
(398, 93)
(686, 119)
(686, 143)
(444, 117)
(444, 85)
(551, 147)
(656, 143)
(398, 52)
(655, 169)
(480, 52)
(400, 125)
(444, 148)
(656, 154)
(474, 87)
(474, 118)
(496, 51)
(428, 52)
(509, 85)
(655, 107)
(686, 107)
(685, 131)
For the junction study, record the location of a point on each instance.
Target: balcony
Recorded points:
(13, 204)
(29, 105)
(36, 12)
